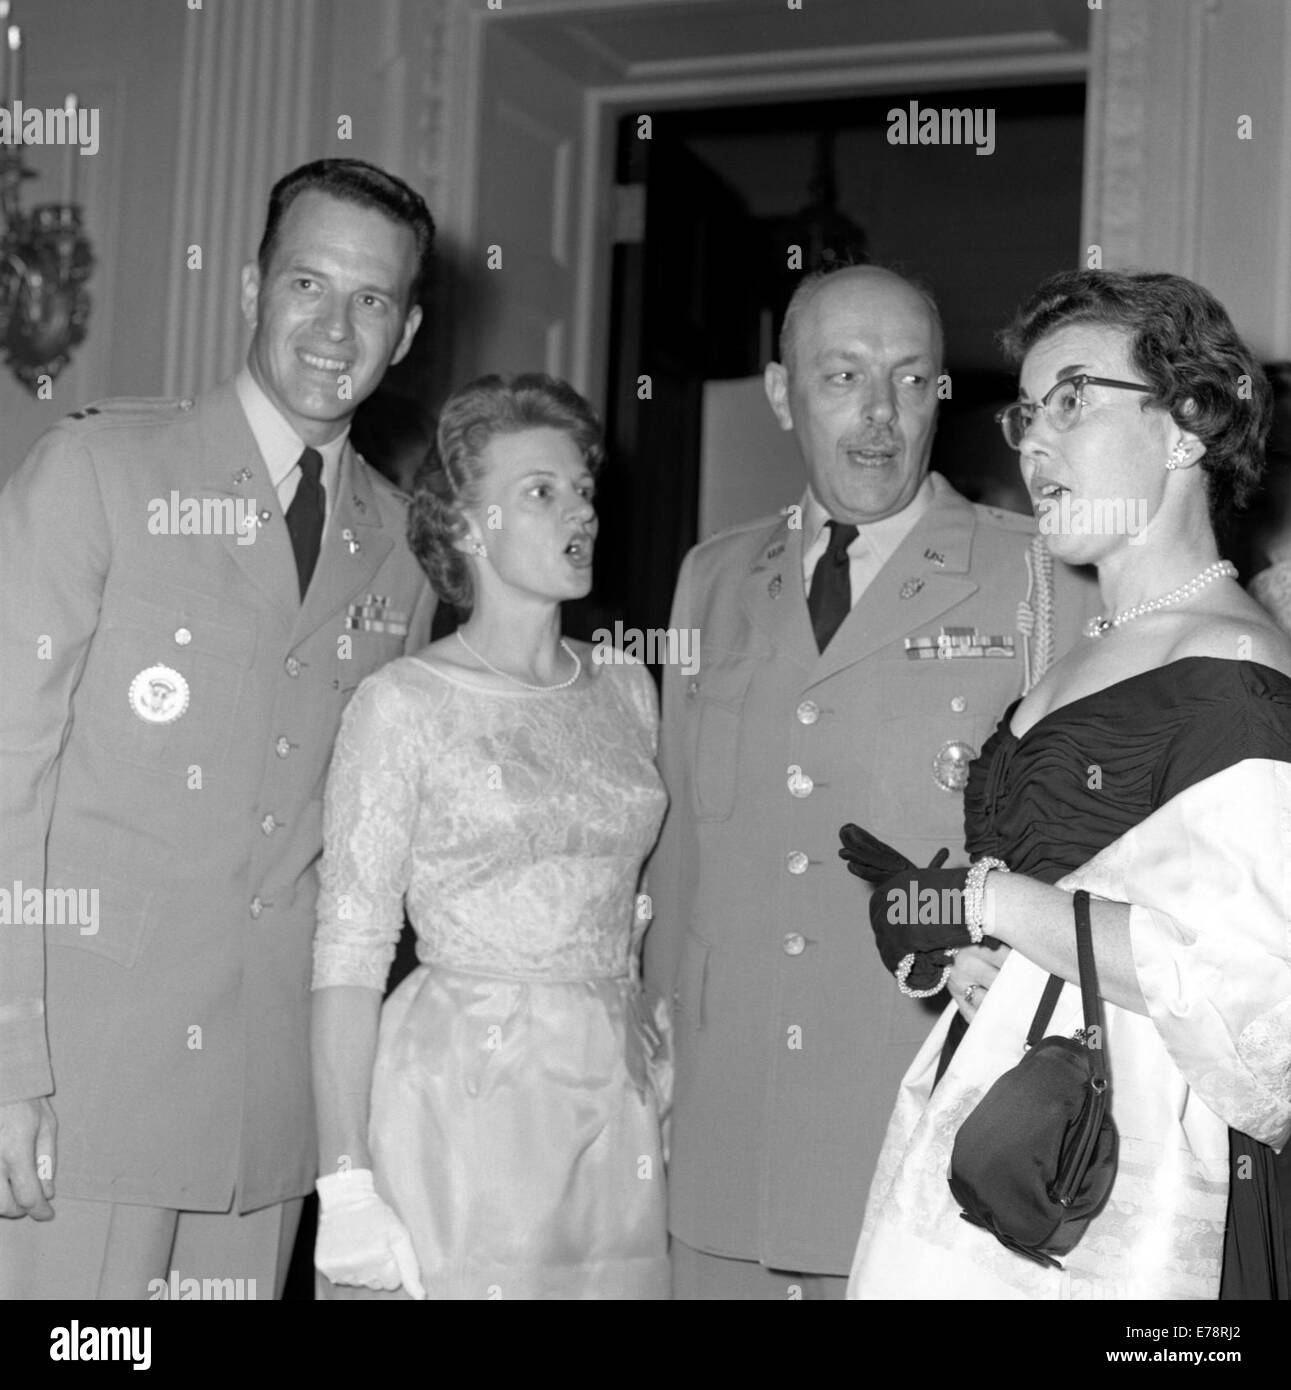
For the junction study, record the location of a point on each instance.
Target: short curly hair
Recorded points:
(452, 477)
(1185, 347)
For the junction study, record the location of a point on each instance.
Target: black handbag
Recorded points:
(1035, 1161)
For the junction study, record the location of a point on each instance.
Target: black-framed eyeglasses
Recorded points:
(1061, 404)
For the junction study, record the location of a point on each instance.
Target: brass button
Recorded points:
(292, 667)
(183, 636)
(958, 704)
(796, 862)
(186, 403)
(268, 825)
(282, 747)
(799, 784)
(808, 712)
(257, 907)
(794, 943)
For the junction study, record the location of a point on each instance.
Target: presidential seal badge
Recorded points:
(159, 695)
(950, 766)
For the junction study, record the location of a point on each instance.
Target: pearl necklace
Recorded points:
(506, 675)
(1221, 569)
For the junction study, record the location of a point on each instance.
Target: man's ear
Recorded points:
(410, 326)
(775, 381)
(250, 292)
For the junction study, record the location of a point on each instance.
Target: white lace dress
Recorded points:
(515, 1117)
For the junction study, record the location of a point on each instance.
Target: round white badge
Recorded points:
(159, 695)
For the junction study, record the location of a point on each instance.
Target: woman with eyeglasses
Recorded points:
(1152, 767)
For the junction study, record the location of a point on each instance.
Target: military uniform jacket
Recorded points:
(177, 1031)
(791, 1039)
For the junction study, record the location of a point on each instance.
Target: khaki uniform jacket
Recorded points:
(790, 1037)
(174, 1039)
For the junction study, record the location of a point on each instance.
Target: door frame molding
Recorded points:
(453, 169)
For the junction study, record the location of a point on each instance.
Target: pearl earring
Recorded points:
(1178, 456)
(477, 548)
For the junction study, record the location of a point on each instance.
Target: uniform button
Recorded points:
(692, 688)
(799, 783)
(958, 704)
(186, 403)
(794, 943)
(292, 667)
(808, 712)
(283, 746)
(257, 907)
(183, 636)
(796, 862)
(268, 825)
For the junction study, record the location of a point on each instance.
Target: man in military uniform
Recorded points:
(170, 706)
(857, 652)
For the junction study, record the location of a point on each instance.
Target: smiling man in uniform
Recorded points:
(170, 707)
(857, 651)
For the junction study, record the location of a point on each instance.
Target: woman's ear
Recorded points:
(470, 537)
(1186, 448)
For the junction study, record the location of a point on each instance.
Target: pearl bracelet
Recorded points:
(903, 974)
(975, 894)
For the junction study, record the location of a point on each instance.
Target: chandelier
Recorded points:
(45, 258)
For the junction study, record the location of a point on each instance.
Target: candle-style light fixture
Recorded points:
(45, 257)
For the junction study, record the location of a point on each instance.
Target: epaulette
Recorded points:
(134, 407)
(1021, 522)
(383, 484)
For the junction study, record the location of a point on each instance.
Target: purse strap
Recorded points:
(1088, 991)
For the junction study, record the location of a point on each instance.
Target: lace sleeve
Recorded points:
(645, 701)
(369, 813)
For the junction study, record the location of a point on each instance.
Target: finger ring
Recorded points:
(968, 995)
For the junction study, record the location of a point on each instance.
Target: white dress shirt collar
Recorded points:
(280, 446)
(877, 540)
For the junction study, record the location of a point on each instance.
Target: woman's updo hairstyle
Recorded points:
(1185, 347)
(451, 480)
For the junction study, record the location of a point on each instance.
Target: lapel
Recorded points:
(231, 466)
(911, 589)
(773, 597)
(354, 547)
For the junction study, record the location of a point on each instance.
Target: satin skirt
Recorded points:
(515, 1129)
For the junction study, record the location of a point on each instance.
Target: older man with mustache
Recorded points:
(857, 652)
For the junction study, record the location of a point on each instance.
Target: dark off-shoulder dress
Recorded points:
(1091, 770)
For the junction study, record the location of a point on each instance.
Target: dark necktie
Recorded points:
(305, 516)
(830, 598)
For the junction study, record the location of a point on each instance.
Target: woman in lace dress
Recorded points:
(497, 1135)
(1152, 767)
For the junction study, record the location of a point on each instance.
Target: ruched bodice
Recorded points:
(1087, 772)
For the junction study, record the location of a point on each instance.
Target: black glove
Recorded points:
(900, 899)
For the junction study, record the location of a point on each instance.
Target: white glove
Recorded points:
(360, 1240)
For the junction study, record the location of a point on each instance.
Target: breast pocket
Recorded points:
(164, 679)
(359, 652)
(715, 708)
